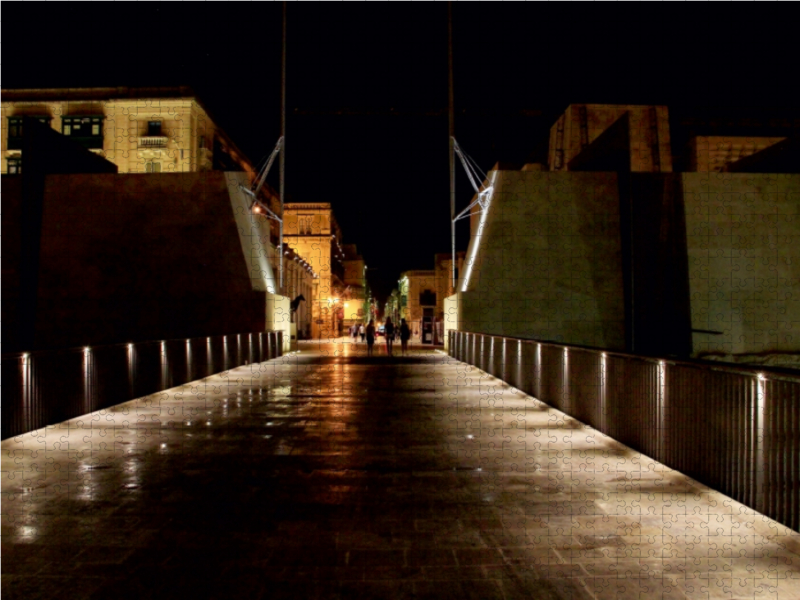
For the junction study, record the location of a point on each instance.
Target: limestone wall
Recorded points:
(138, 257)
(547, 264)
(582, 124)
(743, 237)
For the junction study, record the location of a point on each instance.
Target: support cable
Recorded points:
(475, 174)
(255, 202)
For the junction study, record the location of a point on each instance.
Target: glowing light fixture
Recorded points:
(258, 207)
(485, 203)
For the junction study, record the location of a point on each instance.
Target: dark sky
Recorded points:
(385, 170)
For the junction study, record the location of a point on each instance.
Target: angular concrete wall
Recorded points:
(547, 264)
(743, 237)
(253, 233)
(139, 257)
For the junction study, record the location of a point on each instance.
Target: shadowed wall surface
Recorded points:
(743, 234)
(137, 257)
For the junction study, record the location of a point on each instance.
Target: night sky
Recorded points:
(367, 86)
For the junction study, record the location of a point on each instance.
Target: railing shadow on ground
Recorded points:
(734, 429)
(47, 387)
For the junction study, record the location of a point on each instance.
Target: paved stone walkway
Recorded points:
(326, 474)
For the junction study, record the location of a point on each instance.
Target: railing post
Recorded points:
(736, 431)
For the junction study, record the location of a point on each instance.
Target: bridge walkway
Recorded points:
(330, 474)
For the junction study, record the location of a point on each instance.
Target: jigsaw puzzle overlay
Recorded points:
(317, 462)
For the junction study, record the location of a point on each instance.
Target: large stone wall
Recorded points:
(137, 257)
(743, 237)
(547, 263)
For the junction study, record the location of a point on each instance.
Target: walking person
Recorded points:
(362, 332)
(405, 333)
(370, 337)
(389, 332)
(354, 333)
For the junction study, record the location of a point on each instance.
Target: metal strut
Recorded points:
(483, 192)
(255, 187)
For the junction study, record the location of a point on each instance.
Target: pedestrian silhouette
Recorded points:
(370, 336)
(389, 333)
(405, 333)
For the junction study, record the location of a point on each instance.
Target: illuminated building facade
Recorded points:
(419, 297)
(357, 294)
(312, 231)
(419, 302)
(141, 130)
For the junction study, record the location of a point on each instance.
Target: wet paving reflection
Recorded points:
(331, 474)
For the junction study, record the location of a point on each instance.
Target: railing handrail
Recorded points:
(50, 386)
(734, 429)
(773, 372)
(34, 353)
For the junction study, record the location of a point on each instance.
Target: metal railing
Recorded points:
(732, 428)
(43, 388)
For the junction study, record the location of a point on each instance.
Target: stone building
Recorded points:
(92, 256)
(420, 294)
(155, 132)
(419, 302)
(312, 231)
(643, 130)
(443, 264)
(141, 130)
(715, 153)
(357, 294)
(611, 249)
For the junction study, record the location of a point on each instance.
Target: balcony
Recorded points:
(153, 141)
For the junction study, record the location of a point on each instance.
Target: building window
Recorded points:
(14, 166)
(85, 130)
(152, 167)
(154, 128)
(14, 135)
(15, 131)
(304, 224)
(427, 298)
